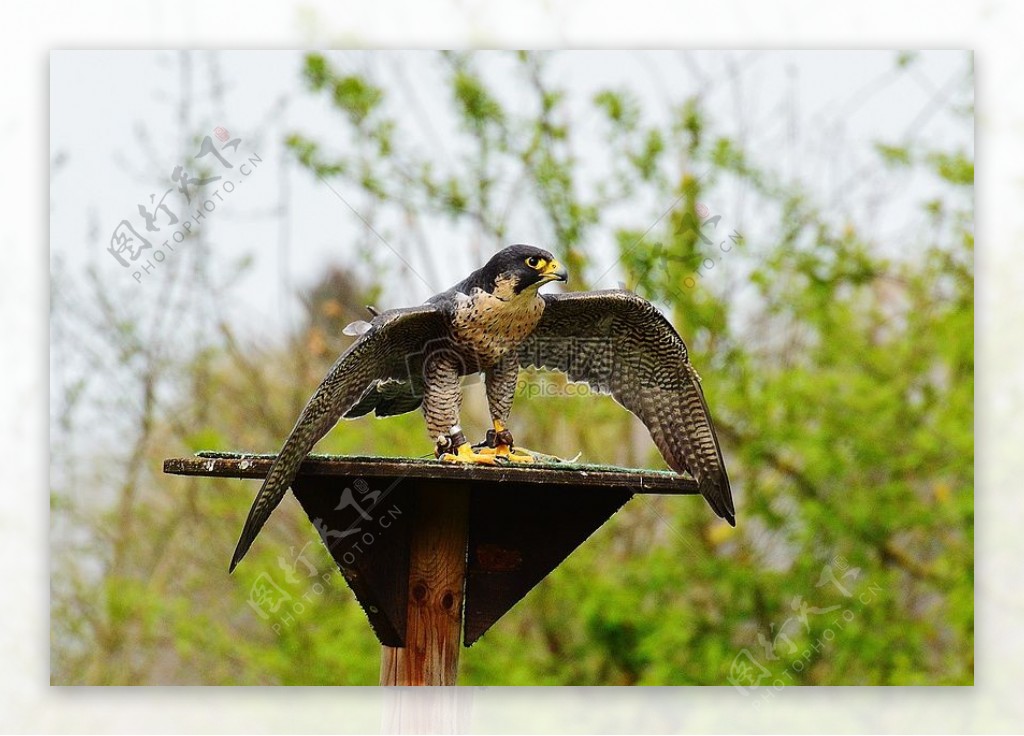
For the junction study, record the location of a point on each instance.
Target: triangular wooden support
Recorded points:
(369, 540)
(517, 535)
(520, 533)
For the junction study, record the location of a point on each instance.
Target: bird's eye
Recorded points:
(533, 262)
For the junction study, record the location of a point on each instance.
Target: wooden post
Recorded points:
(437, 575)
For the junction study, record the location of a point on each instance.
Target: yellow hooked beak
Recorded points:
(554, 271)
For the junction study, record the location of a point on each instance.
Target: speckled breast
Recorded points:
(489, 327)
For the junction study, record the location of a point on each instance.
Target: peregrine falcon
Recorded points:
(495, 322)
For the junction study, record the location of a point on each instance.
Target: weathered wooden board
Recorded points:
(239, 465)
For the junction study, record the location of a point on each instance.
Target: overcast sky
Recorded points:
(117, 134)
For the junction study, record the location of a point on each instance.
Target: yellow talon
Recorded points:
(503, 450)
(502, 454)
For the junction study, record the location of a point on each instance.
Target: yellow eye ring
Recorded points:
(533, 262)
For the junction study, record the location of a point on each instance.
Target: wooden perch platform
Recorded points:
(433, 550)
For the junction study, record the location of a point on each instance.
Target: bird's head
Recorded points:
(521, 268)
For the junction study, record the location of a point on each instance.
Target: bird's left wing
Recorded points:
(619, 343)
(391, 349)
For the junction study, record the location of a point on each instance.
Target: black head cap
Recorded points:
(519, 267)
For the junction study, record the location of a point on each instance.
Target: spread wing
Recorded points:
(388, 353)
(620, 344)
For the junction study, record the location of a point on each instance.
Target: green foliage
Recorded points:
(477, 106)
(620, 107)
(356, 97)
(316, 71)
(896, 155)
(956, 168)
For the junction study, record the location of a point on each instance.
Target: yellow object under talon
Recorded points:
(466, 454)
(508, 453)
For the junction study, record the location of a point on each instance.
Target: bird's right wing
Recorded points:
(389, 350)
(620, 344)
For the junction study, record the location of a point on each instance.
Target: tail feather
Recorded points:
(277, 482)
(716, 492)
(312, 425)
